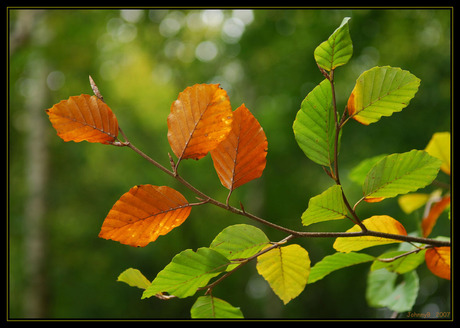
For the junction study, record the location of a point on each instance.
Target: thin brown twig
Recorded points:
(392, 259)
(246, 261)
(303, 234)
(292, 233)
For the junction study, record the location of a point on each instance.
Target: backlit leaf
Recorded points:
(381, 91)
(241, 157)
(382, 291)
(239, 241)
(134, 278)
(143, 214)
(187, 272)
(379, 223)
(359, 172)
(314, 125)
(400, 265)
(286, 269)
(200, 119)
(438, 261)
(335, 262)
(325, 207)
(399, 174)
(429, 221)
(439, 146)
(411, 202)
(337, 50)
(210, 307)
(84, 117)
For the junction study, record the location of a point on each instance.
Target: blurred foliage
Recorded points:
(141, 60)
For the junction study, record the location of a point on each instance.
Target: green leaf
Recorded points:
(314, 125)
(401, 265)
(400, 173)
(335, 262)
(337, 50)
(382, 290)
(286, 269)
(381, 91)
(359, 172)
(187, 272)
(209, 307)
(325, 207)
(134, 278)
(239, 241)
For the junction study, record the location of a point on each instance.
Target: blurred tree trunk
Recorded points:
(35, 303)
(36, 154)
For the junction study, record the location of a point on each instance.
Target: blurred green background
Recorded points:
(60, 193)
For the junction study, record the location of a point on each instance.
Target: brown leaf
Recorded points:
(143, 214)
(84, 117)
(200, 119)
(438, 261)
(241, 157)
(430, 220)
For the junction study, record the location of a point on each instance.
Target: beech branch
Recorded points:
(295, 234)
(292, 233)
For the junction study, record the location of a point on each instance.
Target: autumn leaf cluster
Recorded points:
(201, 121)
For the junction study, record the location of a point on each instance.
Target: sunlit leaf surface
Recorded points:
(200, 119)
(381, 91)
(380, 223)
(143, 214)
(82, 118)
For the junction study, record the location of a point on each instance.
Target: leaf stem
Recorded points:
(355, 219)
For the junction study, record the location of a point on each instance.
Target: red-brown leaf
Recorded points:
(241, 157)
(438, 261)
(84, 117)
(143, 214)
(200, 119)
(430, 220)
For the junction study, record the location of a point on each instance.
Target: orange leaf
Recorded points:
(438, 261)
(241, 157)
(373, 199)
(430, 220)
(144, 213)
(200, 119)
(84, 117)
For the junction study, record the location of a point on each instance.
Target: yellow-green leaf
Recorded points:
(337, 49)
(439, 146)
(335, 262)
(400, 265)
(380, 223)
(210, 307)
(399, 174)
(134, 278)
(411, 202)
(314, 125)
(239, 241)
(381, 91)
(325, 207)
(187, 272)
(286, 269)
